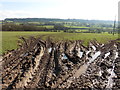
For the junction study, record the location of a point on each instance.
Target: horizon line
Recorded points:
(59, 18)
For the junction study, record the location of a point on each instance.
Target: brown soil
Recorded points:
(68, 64)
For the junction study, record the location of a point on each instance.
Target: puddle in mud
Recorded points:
(112, 74)
(110, 80)
(100, 73)
(49, 50)
(64, 56)
(94, 56)
(116, 56)
(102, 45)
(84, 67)
(80, 54)
(80, 71)
(77, 73)
(94, 47)
(107, 54)
(87, 52)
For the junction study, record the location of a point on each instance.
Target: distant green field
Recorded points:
(9, 39)
(34, 22)
(76, 27)
(81, 30)
(47, 26)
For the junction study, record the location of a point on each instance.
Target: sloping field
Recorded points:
(64, 64)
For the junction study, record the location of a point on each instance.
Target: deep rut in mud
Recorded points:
(69, 64)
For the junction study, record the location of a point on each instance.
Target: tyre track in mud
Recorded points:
(69, 64)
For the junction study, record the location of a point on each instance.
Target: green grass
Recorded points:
(79, 30)
(34, 22)
(76, 27)
(47, 26)
(9, 39)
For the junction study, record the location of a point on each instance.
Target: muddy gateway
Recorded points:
(65, 64)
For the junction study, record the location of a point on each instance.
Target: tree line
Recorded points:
(56, 28)
(30, 27)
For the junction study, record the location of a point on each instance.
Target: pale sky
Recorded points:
(64, 9)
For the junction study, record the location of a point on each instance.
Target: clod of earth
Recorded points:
(69, 64)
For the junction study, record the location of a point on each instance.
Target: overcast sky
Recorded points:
(74, 9)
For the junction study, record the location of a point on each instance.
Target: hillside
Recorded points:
(56, 20)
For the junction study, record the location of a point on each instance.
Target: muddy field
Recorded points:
(68, 64)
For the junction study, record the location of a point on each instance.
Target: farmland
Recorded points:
(9, 39)
(58, 53)
(64, 64)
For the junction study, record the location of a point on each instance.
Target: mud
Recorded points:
(69, 64)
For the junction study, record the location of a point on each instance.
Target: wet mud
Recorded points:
(64, 64)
